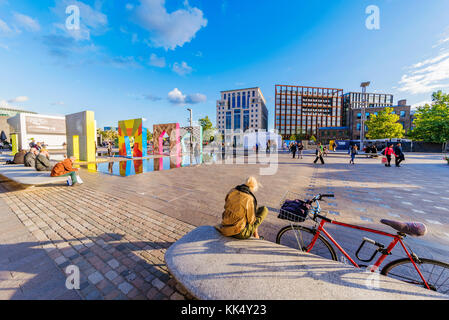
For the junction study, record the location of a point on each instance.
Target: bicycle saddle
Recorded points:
(416, 229)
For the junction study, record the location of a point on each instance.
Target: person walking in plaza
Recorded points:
(293, 149)
(300, 149)
(319, 153)
(399, 155)
(353, 152)
(65, 169)
(388, 152)
(241, 217)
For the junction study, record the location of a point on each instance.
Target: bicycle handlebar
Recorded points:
(324, 195)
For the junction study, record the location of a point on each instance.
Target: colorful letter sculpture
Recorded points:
(81, 135)
(132, 138)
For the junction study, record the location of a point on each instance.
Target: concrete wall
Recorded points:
(42, 128)
(81, 124)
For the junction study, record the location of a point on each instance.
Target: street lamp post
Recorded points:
(364, 85)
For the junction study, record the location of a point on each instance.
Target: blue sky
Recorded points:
(152, 58)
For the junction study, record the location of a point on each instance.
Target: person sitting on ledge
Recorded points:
(30, 158)
(19, 158)
(43, 161)
(65, 169)
(241, 217)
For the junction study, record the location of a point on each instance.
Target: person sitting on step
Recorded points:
(241, 217)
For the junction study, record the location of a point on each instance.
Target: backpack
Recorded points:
(294, 210)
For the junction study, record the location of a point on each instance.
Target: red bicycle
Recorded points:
(427, 273)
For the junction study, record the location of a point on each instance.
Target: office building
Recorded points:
(240, 110)
(401, 109)
(302, 110)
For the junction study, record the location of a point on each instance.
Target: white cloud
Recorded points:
(156, 61)
(181, 69)
(196, 98)
(169, 30)
(427, 76)
(177, 97)
(58, 103)
(4, 28)
(27, 22)
(19, 99)
(420, 104)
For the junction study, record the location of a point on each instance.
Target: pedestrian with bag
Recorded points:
(388, 152)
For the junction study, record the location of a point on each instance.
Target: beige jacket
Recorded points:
(239, 211)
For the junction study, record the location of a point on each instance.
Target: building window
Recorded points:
(359, 115)
(245, 120)
(237, 119)
(402, 114)
(358, 126)
(228, 120)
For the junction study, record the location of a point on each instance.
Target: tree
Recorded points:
(149, 136)
(205, 123)
(384, 125)
(432, 121)
(293, 137)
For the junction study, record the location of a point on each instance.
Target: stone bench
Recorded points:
(28, 176)
(212, 267)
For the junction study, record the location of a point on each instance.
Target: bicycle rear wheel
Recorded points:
(435, 273)
(299, 237)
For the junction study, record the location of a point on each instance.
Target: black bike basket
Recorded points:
(294, 210)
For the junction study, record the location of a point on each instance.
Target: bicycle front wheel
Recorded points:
(299, 238)
(435, 273)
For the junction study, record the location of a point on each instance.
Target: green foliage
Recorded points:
(292, 137)
(205, 123)
(384, 125)
(149, 136)
(313, 138)
(108, 135)
(432, 121)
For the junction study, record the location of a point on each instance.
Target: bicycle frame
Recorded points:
(396, 238)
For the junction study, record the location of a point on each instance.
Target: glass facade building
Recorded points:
(241, 110)
(302, 110)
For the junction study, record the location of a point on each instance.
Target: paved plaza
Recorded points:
(117, 229)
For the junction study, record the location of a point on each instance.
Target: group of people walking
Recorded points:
(388, 153)
(396, 152)
(296, 147)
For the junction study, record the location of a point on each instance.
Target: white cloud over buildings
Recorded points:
(169, 30)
